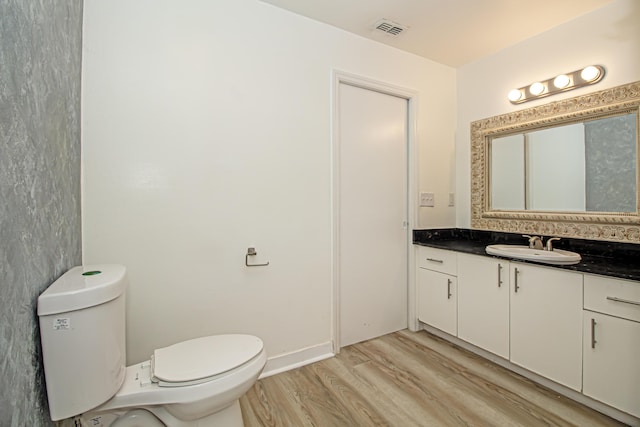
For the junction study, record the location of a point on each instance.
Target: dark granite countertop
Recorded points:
(621, 260)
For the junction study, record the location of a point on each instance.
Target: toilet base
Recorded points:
(231, 416)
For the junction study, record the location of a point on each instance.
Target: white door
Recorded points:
(372, 214)
(437, 300)
(483, 303)
(546, 322)
(611, 372)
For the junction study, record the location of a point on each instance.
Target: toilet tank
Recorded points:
(82, 330)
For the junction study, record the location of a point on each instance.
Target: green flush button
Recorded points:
(91, 273)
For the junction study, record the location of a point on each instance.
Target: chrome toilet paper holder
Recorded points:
(252, 252)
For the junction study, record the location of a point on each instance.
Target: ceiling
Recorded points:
(451, 32)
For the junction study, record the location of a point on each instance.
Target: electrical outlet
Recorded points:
(427, 200)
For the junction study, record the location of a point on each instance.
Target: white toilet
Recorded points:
(193, 383)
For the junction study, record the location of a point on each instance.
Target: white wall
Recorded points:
(609, 36)
(206, 130)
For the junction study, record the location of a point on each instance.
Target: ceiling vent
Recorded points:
(390, 27)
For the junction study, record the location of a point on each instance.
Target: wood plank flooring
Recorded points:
(408, 379)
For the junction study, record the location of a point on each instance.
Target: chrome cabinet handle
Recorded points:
(593, 333)
(499, 275)
(626, 301)
(448, 288)
(439, 261)
(515, 276)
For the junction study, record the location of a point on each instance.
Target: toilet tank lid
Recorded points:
(82, 287)
(204, 357)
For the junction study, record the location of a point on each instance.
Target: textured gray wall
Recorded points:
(610, 152)
(40, 64)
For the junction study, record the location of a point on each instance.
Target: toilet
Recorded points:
(197, 382)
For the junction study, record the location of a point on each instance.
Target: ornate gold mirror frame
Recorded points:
(613, 226)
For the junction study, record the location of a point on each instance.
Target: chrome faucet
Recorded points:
(535, 242)
(549, 244)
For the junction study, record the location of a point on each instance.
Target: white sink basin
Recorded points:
(556, 256)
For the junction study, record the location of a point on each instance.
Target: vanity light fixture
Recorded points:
(590, 73)
(515, 95)
(561, 81)
(586, 76)
(536, 89)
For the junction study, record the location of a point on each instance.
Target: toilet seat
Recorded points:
(200, 360)
(138, 389)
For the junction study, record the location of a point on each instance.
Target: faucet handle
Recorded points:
(549, 244)
(535, 242)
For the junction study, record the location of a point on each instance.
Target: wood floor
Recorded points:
(408, 379)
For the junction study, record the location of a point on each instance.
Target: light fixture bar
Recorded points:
(561, 83)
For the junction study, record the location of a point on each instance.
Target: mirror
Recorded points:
(588, 166)
(568, 168)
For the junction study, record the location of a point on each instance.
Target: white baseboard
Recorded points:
(296, 359)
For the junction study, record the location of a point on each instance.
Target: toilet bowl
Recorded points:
(132, 418)
(197, 382)
(205, 380)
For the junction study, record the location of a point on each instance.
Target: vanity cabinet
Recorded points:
(483, 303)
(437, 289)
(546, 322)
(579, 330)
(611, 342)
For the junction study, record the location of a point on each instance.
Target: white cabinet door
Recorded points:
(612, 361)
(483, 303)
(546, 322)
(437, 300)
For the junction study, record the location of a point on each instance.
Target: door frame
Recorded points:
(338, 78)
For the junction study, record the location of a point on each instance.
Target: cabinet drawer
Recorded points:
(620, 298)
(437, 260)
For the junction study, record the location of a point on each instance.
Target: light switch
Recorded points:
(427, 200)
(452, 199)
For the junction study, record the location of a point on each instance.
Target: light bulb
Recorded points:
(536, 88)
(590, 73)
(515, 95)
(561, 81)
